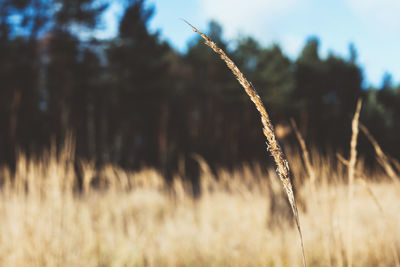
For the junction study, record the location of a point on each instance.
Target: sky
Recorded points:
(373, 26)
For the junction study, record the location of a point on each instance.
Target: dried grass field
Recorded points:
(242, 218)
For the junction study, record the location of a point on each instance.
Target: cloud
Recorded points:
(377, 13)
(250, 17)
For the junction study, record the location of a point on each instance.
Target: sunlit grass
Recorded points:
(241, 219)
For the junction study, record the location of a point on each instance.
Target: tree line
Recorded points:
(135, 101)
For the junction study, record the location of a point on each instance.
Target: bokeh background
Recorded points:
(136, 87)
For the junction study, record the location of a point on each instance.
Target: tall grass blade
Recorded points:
(306, 155)
(381, 157)
(282, 164)
(351, 172)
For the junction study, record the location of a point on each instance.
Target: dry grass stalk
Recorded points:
(396, 163)
(88, 174)
(382, 159)
(353, 144)
(351, 171)
(282, 164)
(207, 181)
(306, 155)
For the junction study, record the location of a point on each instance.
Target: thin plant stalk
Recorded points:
(353, 144)
(396, 163)
(382, 159)
(351, 171)
(306, 155)
(282, 164)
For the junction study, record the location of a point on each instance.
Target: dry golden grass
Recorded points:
(134, 219)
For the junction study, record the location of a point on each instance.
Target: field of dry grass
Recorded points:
(242, 218)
